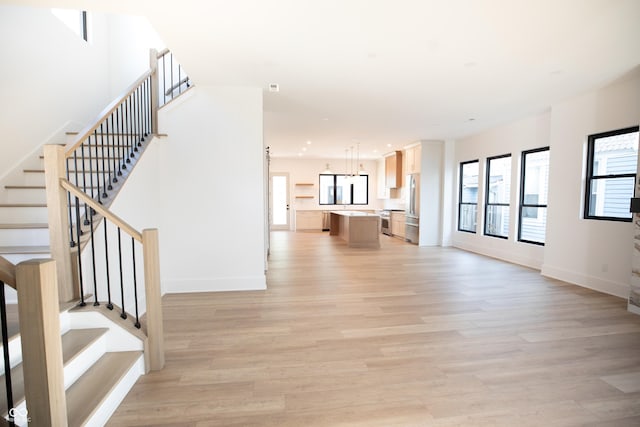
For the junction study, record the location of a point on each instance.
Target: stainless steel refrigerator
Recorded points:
(412, 219)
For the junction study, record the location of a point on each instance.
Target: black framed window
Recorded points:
(468, 196)
(534, 185)
(612, 159)
(344, 190)
(76, 20)
(497, 196)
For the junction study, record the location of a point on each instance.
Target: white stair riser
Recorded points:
(25, 215)
(11, 215)
(15, 353)
(25, 196)
(118, 339)
(24, 237)
(30, 178)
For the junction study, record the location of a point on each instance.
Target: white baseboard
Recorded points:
(597, 284)
(249, 283)
(503, 255)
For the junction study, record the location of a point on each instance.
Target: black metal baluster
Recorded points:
(95, 139)
(171, 80)
(120, 138)
(179, 80)
(124, 313)
(106, 259)
(79, 232)
(136, 142)
(111, 151)
(148, 106)
(128, 136)
(135, 282)
(93, 260)
(164, 79)
(72, 242)
(114, 147)
(105, 179)
(84, 181)
(5, 349)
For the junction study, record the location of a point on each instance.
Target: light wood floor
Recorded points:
(401, 336)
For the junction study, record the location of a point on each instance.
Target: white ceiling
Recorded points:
(385, 73)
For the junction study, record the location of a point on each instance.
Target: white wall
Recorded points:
(525, 134)
(202, 186)
(431, 194)
(131, 37)
(308, 171)
(51, 80)
(592, 253)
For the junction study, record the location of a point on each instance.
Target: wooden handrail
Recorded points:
(162, 53)
(7, 272)
(77, 191)
(86, 132)
(176, 86)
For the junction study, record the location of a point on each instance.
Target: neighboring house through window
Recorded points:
(468, 196)
(498, 193)
(611, 172)
(534, 184)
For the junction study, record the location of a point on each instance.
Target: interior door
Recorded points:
(279, 197)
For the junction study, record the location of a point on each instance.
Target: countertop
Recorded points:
(353, 213)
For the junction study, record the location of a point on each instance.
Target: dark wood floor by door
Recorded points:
(398, 336)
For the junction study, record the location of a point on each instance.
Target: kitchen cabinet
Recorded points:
(383, 191)
(398, 224)
(308, 220)
(413, 155)
(393, 170)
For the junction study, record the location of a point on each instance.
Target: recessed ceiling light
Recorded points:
(299, 154)
(389, 145)
(304, 148)
(308, 142)
(375, 151)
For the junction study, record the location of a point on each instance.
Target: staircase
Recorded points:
(100, 366)
(104, 348)
(24, 231)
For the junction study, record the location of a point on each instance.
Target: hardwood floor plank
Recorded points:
(400, 336)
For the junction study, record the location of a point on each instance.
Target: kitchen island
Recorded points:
(358, 229)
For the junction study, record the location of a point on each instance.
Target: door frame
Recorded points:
(286, 226)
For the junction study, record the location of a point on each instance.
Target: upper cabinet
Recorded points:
(413, 155)
(393, 170)
(383, 191)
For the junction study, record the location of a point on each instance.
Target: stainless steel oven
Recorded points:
(385, 222)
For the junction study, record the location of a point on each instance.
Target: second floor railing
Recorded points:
(172, 79)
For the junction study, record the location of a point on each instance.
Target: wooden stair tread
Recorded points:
(23, 226)
(23, 205)
(86, 394)
(76, 340)
(73, 343)
(25, 187)
(25, 250)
